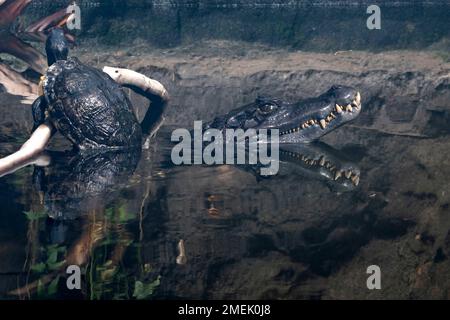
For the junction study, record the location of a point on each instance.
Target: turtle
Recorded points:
(83, 103)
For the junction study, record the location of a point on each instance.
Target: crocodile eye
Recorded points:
(267, 108)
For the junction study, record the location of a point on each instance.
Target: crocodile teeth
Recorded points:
(323, 124)
(348, 174)
(311, 122)
(322, 161)
(338, 108)
(358, 98)
(349, 108)
(337, 175)
(355, 180)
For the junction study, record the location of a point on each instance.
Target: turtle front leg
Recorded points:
(38, 110)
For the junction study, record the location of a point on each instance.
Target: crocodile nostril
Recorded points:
(250, 123)
(232, 122)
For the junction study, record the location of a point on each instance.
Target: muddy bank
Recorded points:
(404, 92)
(205, 83)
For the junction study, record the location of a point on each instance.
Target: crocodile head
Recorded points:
(304, 121)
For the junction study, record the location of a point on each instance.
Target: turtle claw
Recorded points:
(38, 109)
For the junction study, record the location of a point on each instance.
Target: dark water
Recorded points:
(142, 228)
(229, 219)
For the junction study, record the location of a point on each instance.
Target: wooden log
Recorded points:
(29, 150)
(17, 85)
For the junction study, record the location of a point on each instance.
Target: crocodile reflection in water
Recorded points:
(322, 161)
(317, 161)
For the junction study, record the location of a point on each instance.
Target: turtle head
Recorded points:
(56, 46)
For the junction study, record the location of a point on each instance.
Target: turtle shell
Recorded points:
(89, 108)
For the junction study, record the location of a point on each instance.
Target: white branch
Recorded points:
(130, 77)
(30, 149)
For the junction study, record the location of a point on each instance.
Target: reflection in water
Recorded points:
(143, 228)
(87, 181)
(235, 224)
(181, 258)
(321, 161)
(75, 219)
(88, 209)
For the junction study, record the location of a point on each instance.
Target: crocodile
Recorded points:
(301, 122)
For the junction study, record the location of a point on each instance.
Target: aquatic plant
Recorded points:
(104, 275)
